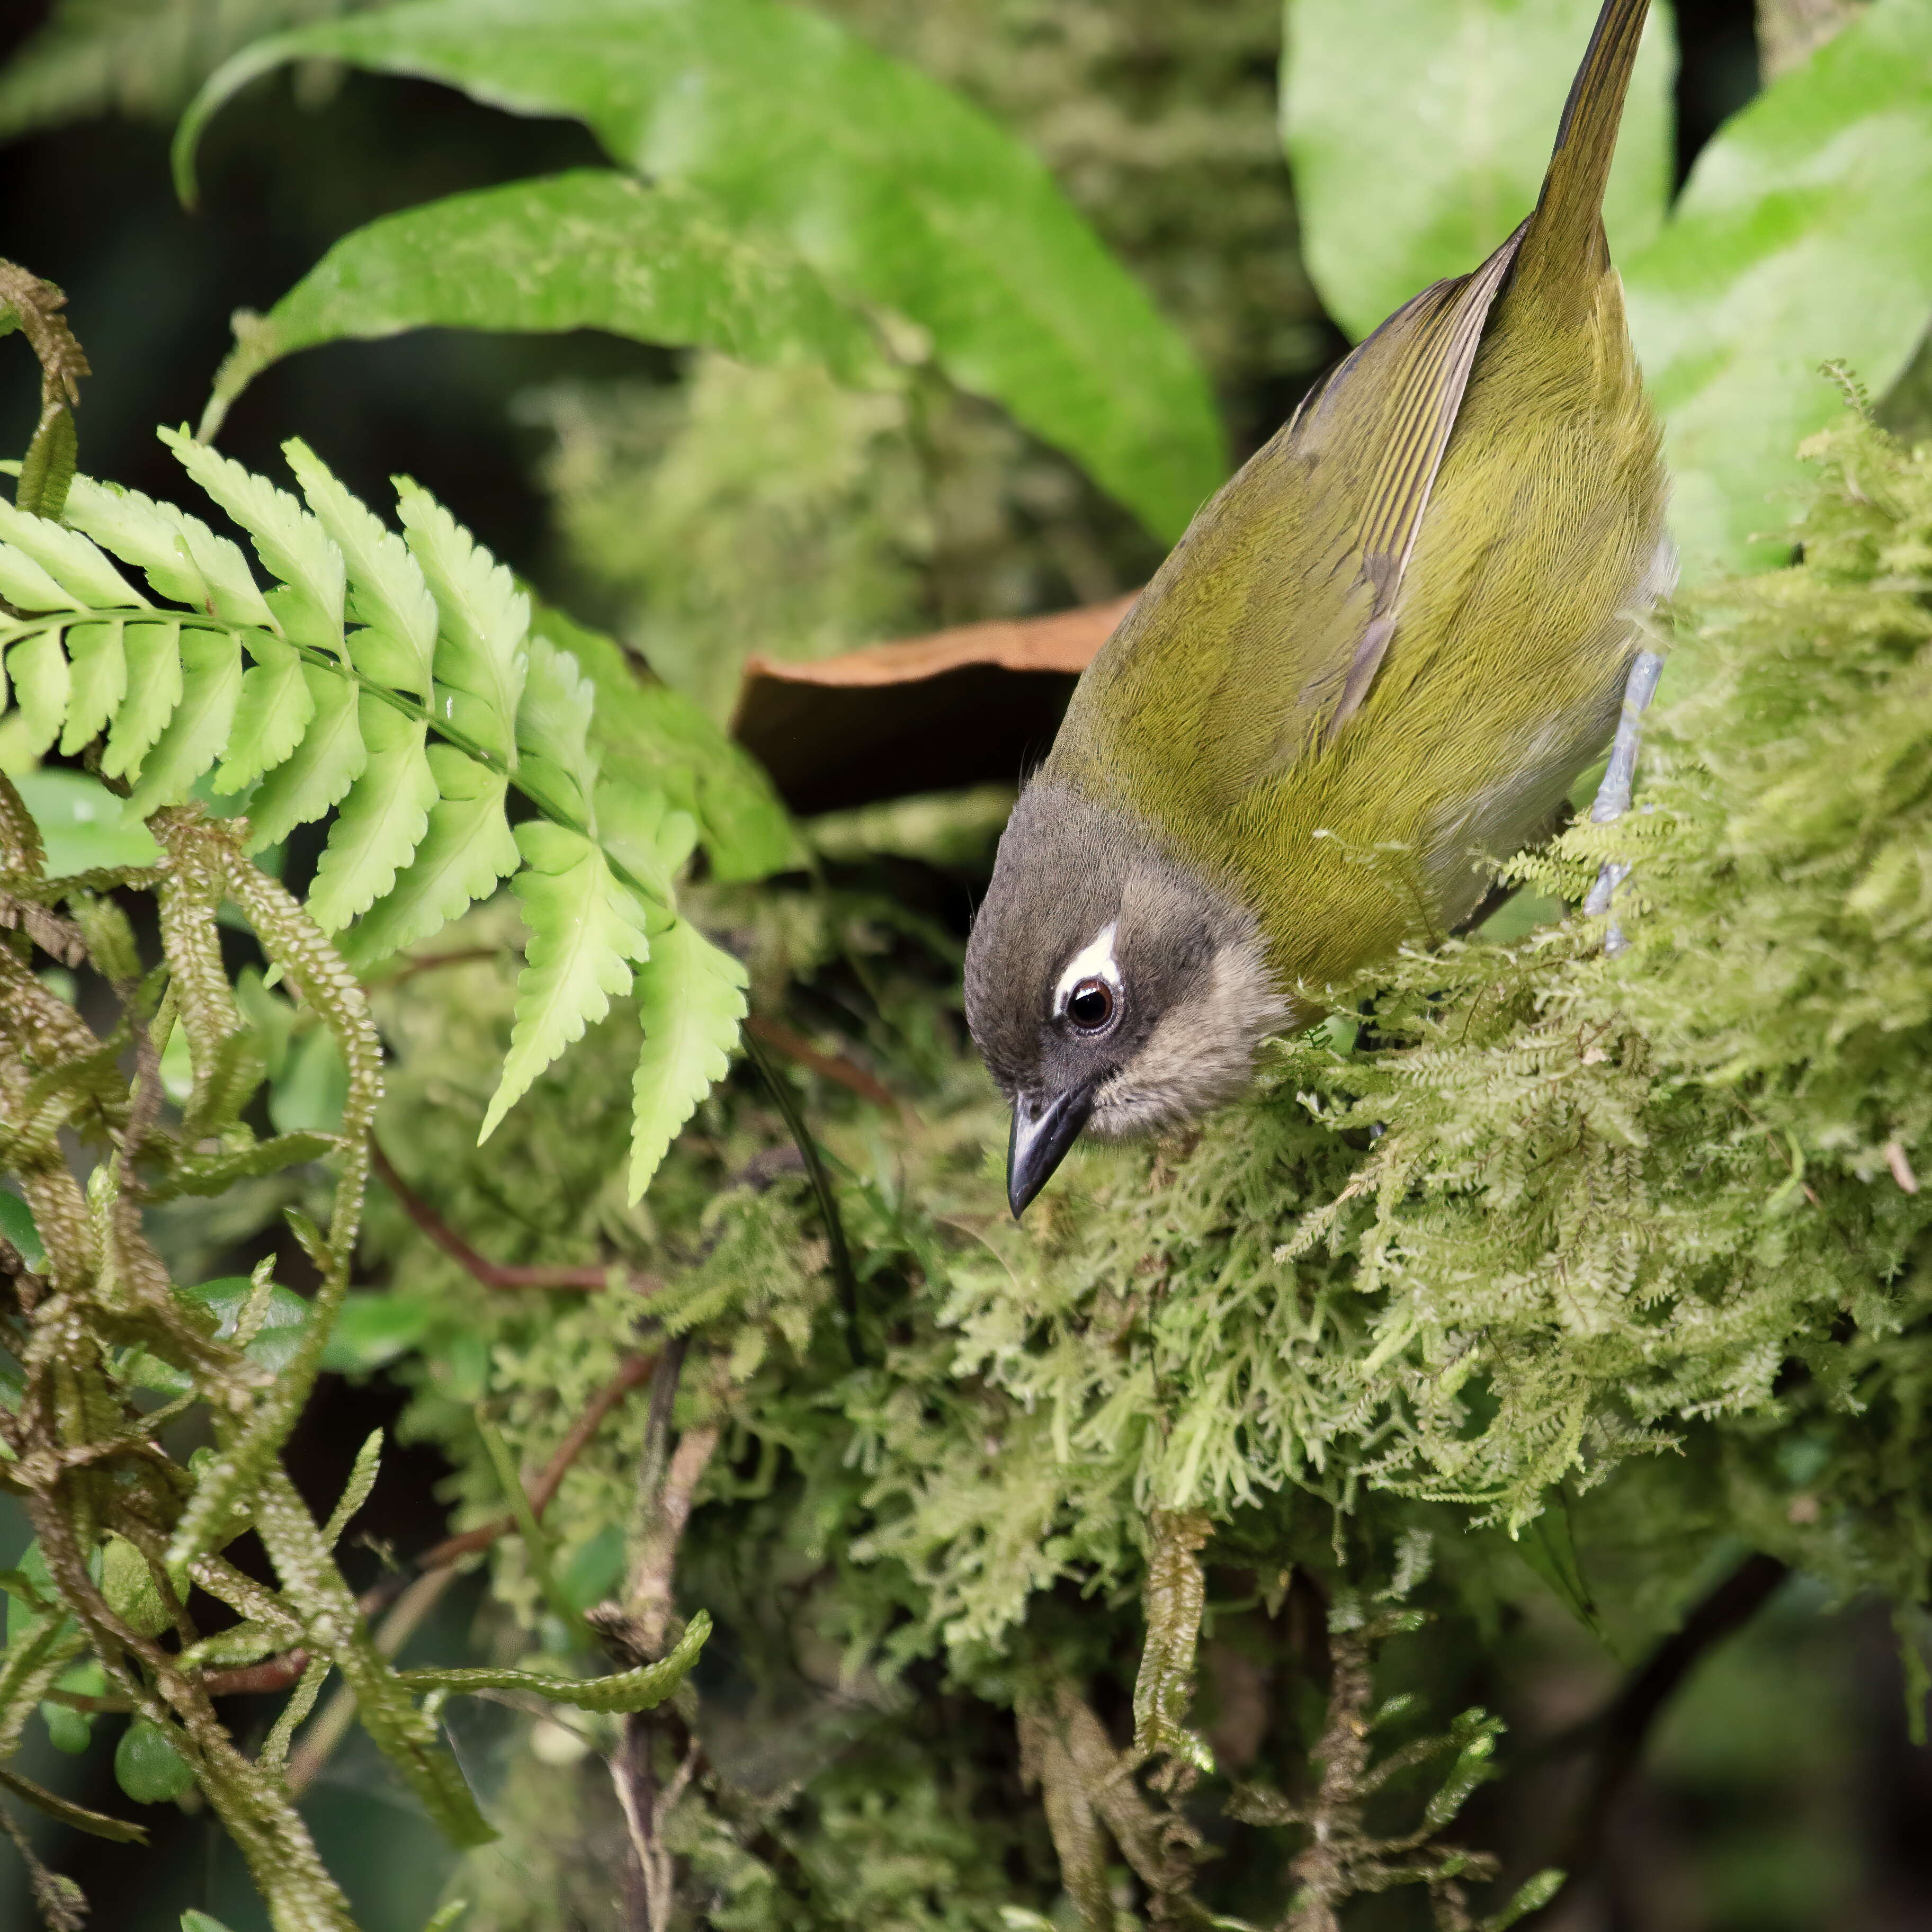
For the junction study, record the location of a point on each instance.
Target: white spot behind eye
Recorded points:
(1094, 961)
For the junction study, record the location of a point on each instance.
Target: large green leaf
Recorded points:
(1419, 130)
(1803, 233)
(592, 249)
(896, 189)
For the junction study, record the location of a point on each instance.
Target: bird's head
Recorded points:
(1111, 985)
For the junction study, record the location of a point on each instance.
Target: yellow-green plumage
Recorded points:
(1213, 712)
(1375, 664)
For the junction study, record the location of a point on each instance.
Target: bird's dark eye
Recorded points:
(1090, 1006)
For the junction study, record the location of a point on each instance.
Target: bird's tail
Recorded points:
(1563, 251)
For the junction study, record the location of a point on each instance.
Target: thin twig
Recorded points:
(632, 1372)
(821, 1184)
(638, 1631)
(411, 964)
(832, 1067)
(588, 1279)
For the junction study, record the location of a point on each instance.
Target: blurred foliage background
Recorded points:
(890, 1582)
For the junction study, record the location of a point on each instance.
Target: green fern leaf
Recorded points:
(587, 930)
(211, 687)
(382, 820)
(180, 556)
(691, 998)
(646, 835)
(275, 710)
(484, 620)
(153, 654)
(294, 548)
(386, 591)
(467, 850)
(320, 771)
(76, 565)
(27, 587)
(100, 667)
(41, 685)
(554, 728)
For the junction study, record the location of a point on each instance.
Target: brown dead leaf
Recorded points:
(973, 705)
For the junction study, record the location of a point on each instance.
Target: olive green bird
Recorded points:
(1375, 664)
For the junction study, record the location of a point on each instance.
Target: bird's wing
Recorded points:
(1261, 633)
(1376, 431)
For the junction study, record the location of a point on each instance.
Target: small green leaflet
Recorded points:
(382, 820)
(485, 619)
(41, 683)
(586, 931)
(387, 594)
(272, 713)
(211, 664)
(99, 663)
(76, 565)
(553, 727)
(294, 547)
(153, 688)
(467, 850)
(318, 773)
(691, 999)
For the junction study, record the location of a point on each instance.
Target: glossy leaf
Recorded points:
(1418, 132)
(1804, 233)
(896, 190)
(82, 824)
(590, 249)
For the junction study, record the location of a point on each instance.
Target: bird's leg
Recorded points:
(1613, 795)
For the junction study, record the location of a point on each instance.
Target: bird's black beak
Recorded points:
(1041, 1136)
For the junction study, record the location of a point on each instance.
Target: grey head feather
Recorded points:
(1194, 996)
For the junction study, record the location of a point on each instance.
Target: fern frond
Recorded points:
(98, 662)
(466, 853)
(395, 682)
(586, 932)
(152, 690)
(691, 999)
(293, 547)
(382, 820)
(485, 622)
(316, 776)
(272, 713)
(387, 595)
(211, 668)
